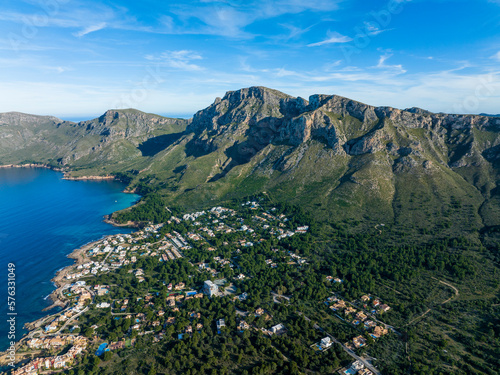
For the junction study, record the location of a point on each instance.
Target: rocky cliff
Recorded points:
(261, 116)
(337, 152)
(338, 155)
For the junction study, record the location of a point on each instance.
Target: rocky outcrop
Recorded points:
(256, 117)
(128, 123)
(89, 178)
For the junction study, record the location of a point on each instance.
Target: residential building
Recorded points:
(384, 307)
(220, 324)
(277, 328)
(210, 289)
(243, 325)
(326, 342)
(359, 341)
(380, 331)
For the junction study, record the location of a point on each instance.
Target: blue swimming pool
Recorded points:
(101, 349)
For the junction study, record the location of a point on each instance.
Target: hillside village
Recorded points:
(206, 262)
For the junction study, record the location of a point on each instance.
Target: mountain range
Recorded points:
(339, 158)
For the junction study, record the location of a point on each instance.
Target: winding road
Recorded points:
(457, 293)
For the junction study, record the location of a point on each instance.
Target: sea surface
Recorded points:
(43, 218)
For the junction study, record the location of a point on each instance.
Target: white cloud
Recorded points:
(333, 38)
(437, 91)
(231, 18)
(496, 56)
(372, 28)
(75, 14)
(90, 29)
(294, 32)
(181, 59)
(57, 69)
(382, 60)
(382, 65)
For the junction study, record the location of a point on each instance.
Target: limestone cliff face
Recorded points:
(246, 121)
(257, 117)
(350, 154)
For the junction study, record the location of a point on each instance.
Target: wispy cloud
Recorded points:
(294, 31)
(382, 65)
(77, 15)
(57, 69)
(372, 28)
(333, 38)
(496, 56)
(90, 29)
(181, 60)
(231, 18)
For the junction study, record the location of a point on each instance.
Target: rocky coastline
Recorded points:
(59, 279)
(129, 224)
(86, 178)
(35, 165)
(79, 255)
(65, 170)
(60, 282)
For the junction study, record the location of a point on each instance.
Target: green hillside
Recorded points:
(403, 204)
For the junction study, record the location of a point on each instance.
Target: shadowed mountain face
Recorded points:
(343, 158)
(156, 144)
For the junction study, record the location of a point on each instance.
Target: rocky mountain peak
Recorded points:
(247, 120)
(244, 106)
(18, 118)
(255, 92)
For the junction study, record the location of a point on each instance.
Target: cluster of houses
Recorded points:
(116, 251)
(277, 329)
(39, 365)
(86, 269)
(83, 297)
(54, 342)
(212, 221)
(359, 317)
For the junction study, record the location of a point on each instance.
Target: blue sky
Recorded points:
(76, 59)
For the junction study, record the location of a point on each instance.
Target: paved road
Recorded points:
(241, 312)
(69, 320)
(276, 296)
(368, 365)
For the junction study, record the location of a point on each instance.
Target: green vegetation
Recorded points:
(444, 296)
(401, 206)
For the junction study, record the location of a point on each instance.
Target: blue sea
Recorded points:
(43, 218)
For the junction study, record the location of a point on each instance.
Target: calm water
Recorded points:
(42, 219)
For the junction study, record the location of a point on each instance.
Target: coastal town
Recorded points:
(160, 281)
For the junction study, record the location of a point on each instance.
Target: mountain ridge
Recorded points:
(330, 152)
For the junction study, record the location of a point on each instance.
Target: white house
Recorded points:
(210, 289)
(326, 342)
